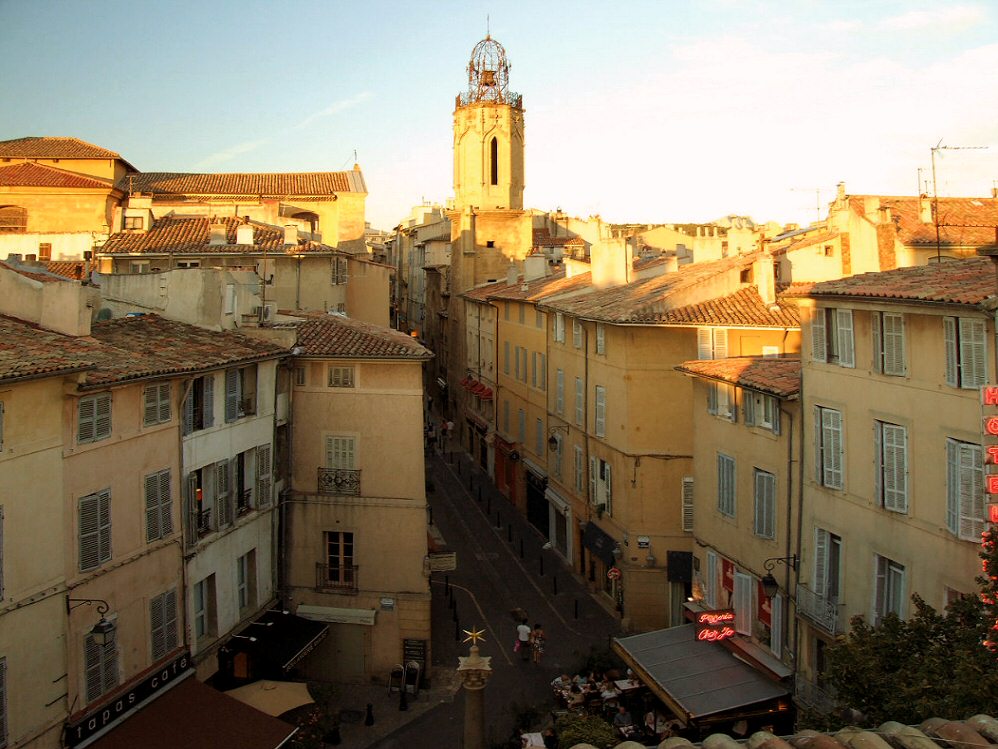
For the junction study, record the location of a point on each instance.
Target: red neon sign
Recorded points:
(993, 514)
(715, 635)
(714, 626)
(991, 425)
(992, 451)
(712, 618)
(989, 393)
(991, 483)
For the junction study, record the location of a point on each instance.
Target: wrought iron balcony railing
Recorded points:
(339, 481)
(204, 518)
(337, 579)
(822, 611)
(809, 694)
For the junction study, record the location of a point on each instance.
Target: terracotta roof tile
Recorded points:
(269, 185)
(336, 336)
(191, 234)
(777, 376)
(964, 222)
(41, 274)
(72, 269)
(970, 282)
(799, 242)
(53, 148)
(29, 174)
(744, 308)
(29, 351)
(131, 348)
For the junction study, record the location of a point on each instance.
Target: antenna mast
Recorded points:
(935, 193)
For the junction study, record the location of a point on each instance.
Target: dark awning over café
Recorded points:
(695, 679)
(599, 543)
(280, 639)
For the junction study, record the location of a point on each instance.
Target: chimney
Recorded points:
(765, 278)
(840, 191)
(885, 214)
(31, 259)
(244, 232)
(535, 266)
(611, 263)
(290, 235)
(216, 231)
(671, 263)
(511, 275)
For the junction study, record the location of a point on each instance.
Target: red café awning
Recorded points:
(465, 381)
(486, 394)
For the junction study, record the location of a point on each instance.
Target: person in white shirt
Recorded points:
(523, 637)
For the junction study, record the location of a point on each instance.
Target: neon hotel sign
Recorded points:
(714, 626)
(989, 399)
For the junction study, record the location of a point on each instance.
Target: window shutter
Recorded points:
(743, 603)
(231, 394)
(973, 364)
(94, 668)
(579, 468)
(831, 447)
(971, 492)
(170, 619)
(880, 589)
(580, 398)
(847, 354)
(150, 405)
(222, 490)
(712, 397)
(878, 461)
(165, 504)
(152, 508)
(688, 504)
(954, 494)
(820, 582)
(156, 627)
(1, 425)
(776, 625)
(559, 391)
(95, 530)
(190, 509)
(592, 481)
(188, 417)
(952, 359)
(748, 406)
(3, 702)
(1, 584)
(776, 416)
(263, 473)
(600, 411)
(209, 401)
(533, 369)
(711, 591)
(600, 338)
(895, 451)
(720, 343)
(876, 336)
(505, 357)
(893, 344)
(102, 416)
(704, 348)
(819, 448)
(819, 352)
(85, 420)
(608, 488)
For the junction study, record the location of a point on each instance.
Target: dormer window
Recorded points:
(134, 223)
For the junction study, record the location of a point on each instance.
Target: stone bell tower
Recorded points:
(488, 134)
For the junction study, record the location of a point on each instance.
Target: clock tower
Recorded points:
(488, 134)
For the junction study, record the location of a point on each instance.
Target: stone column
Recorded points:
(474, 671)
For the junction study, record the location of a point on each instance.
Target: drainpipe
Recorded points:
(787, 552)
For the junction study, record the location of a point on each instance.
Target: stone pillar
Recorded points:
(474, 671)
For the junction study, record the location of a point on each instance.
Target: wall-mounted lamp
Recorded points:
(103, 631)
(769, 585)
(552, 440)
(617, 553)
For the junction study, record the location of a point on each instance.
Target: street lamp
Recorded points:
(769, 585)
(552, 439)
(103, 631)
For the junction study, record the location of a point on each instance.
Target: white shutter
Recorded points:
(533, 369)
(608, 488)
(743, 604)
(820, 581)
(170, 619)
(1, 579)
(819, 351)
(95, 530)
(711, 592)
(85, 420)
(579, 469)
(712, 397)
(953, 487)
(600, 338)
(102, 416)
(600, 411)
(580, 397)
(93, 666)
(592, 481)
(831, 447)
(263, 476)
(705, 349)
(847, 354)
(153, 530)
(231, 394)
(776, 415)
(223, 491)
(878, 462)
(973, 364)
(819, 448)
(876, 336)
(895, 451)
(893, 344)
(156, 627)
(952, 357)
(559, 392)
(720, 343)
(687, 517)
(748, 406)
(165, 504)
(765, 504)
(150, 411)
(971, 488)
(776, 625)
(164, 402)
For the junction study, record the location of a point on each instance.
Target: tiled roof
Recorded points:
(30, 174)
(53, 148)
(269, 185)
(336, 336)
(774, 375)
(970, 281)
(542, 288)
(72, 269)
(35, 273)
(191, 234)
(967, 222)
(28, 351)
(744, 308)
(645, 301)
(799, 242)
(133, 348)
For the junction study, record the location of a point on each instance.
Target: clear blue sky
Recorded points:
(638, 111)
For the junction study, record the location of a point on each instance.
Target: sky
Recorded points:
(637, 111)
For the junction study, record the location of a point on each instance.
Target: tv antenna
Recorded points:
(817, 198)
(935, 192)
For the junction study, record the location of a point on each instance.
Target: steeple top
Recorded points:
(488, 75)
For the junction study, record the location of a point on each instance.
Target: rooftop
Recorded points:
(29, 351)
(30, 174)
(777, 376)
(37, 272)
(276, 184)
(744, 308)
(963, 221)
(53, 148)
(337, 336)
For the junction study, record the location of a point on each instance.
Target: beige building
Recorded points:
(356, 532)
(742, 500)
(893, 469)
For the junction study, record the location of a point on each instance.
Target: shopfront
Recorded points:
(537, 503)
(560, 523)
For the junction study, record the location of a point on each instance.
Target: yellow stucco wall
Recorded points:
(62, 210)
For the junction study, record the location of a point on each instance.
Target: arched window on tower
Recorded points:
(13, 219)
(494, 160)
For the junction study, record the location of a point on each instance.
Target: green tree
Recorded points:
(585, 729)
(932, 664)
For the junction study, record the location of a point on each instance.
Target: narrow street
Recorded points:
(493, 577)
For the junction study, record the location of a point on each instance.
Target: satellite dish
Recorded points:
(104, 314)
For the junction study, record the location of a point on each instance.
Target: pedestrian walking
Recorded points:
(523, 641)
(537, 642)
(431, 435)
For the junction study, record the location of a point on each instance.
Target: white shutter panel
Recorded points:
(831, 441)
(85, 420)
(954, 494)
(231, 394)
(973, 364)
(170, 620)
(600, 411)
(820, 582)
(711, 591)
(895, 446)
(776, 416)
(748, 405)
(1, 582)
(263, 476)
(704, 348)
(688, 504)
(712, 397)
(592, 481)
(150, 414)
(879, 589)
(152, 507)
(760, 501)
(559, 391)
(102, 416)
(743, 604)
(952, 359)
(94, 668)
(876, 336)
(776, 625)
(89, 520)
(164, 402)
(156, 628)
(893, 344)
(608, 488)
(165, 504)
(971, 492)
(879, 468)
(819, 448)
(819, 351)
(188, 416)
(720, 343)
(847, 354)
(104, 518)
(222, 490)
(579, 400)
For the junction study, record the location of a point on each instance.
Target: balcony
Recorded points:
(341, 579)
(203, 518)
(810, 695)
(821, 611)
(243, 501)
(339, 481)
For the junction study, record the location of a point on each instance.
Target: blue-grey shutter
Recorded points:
(208, 411)
(231, 394)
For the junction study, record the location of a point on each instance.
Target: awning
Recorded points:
(337, 616)
(195, 716)
(599, 542)
(695, 679)
(280, 638)
(272, 697)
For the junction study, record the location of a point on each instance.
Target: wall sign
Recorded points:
(714, 626)
(989, 403)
